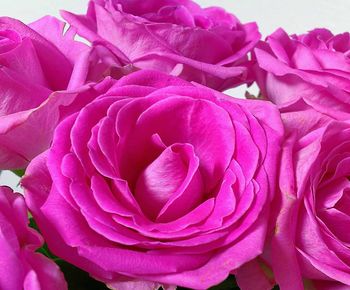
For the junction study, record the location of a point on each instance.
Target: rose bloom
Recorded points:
(312, 68)
(37, 62)
(310, 247)
(158, 180)
(178, 37)
(21, 267)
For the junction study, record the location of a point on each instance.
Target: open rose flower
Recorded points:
(312, 68)
(21, 268)
(310, 232)
(310, 247)
(177, 37)
(36, 62)
(158, 180)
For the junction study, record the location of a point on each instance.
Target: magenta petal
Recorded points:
(133, 285)
(252, 276)
(52, 29)
(47, 272)
(170, 179)
(17, 93)
(29, 71)
(213, 159)
(56, 66)
(29, 270)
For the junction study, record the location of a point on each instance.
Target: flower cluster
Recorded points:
(141, 172)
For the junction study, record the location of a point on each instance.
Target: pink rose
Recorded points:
(312, 69)
(36, 62)
(311, 229)
(310, 246)
(158, 180)
(21, 267)
(178, 37)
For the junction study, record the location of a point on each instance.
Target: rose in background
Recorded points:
(158, 180)
(36, 63)
(310, 247)
(312, 69)
(178, 37)
(308, 77)
(310, 232)
(21, 267)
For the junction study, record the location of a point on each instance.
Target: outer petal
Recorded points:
(20, 266)
(76, 52)
(23, 127)
(47, 273)
(252, 276)
(56, 67)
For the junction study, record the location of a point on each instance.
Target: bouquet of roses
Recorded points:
(140, 173)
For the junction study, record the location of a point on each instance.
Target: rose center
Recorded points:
(343, 203)
(171, 185)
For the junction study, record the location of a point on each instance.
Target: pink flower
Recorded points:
(21, 267)
(310, 246)
(312, 69)
(177, 37)
(158, 180)
(37, 63)
(310, 231)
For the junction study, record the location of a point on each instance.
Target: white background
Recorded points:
(296, 16)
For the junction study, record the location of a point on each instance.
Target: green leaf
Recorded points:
(19, 172)
(229, 283)
(78, 279)
(33, 224)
